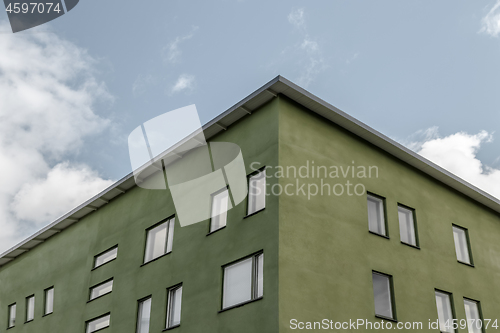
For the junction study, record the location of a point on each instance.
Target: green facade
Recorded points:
(318, 252)
(66, 260)
(327, 253)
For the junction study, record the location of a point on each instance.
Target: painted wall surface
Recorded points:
(327, 254)
(65, 260)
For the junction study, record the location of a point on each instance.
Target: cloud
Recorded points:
(184, 82)
(311, 61)
(141, 84)
(457, 153)
(417, 139)
(296, 18)
(48, 93)
(63, 188)
(490, 24)
(172, 52)
(309, 46)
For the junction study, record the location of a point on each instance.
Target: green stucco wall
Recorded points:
(327, 254)
(65, 260)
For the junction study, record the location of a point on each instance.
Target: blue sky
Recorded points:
(426, 74)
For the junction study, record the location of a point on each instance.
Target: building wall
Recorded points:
(327, 254)
(65, 260)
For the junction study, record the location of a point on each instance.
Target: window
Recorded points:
(30, 308)
(407, 226)
(256, 192)
(376, 218)
(105, 257)
(174, 306)
(144, 315)
(445, 311)
(159, 240)
(12, 316)
(220, 201)
(98, 323)
(49, 301)
(382, 294)
(461, 237)
(473, 315)
(101, 289)
(243, 281)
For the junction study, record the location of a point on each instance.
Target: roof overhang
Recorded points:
(245, 107)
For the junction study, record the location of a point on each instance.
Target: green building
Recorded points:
(353, 231)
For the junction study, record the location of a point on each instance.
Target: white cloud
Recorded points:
(172, 52)
(490, 24)
(309, 46)
(184, 82)
(417, 139)
(141, 84)
(48, 93)
(457, 153)
(63, 188)
(311, 60)
(296, 18)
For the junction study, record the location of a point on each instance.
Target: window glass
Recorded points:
(474, 320)
(445, 313)
(376, 222)
(407, 226)
(461, 248)
(219, 210)
(49, 300)
(260, 275)
(30, 308)
(105, 257)
(159, 240)
(382, 295)
(174, 307)
(12, 315)
(238, 283)
(257, 192)
(170, 240)
(101, 289)
(98, 323)
(144, 316)
(243, 281)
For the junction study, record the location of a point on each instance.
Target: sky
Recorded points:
(71, 91)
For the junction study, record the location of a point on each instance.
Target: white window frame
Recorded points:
(170, 304)
(381, 202)
(219, 221)
(12, 315)
(257, 279)
(100, 285)
(474, 325)
(411, 213)
(390, 290)
(140, 309)
(451, 314)
(169, 238)
(48, 296)
(114, 254)
(465, 242)
(30, 308)
(89, 322)
(252, 197)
